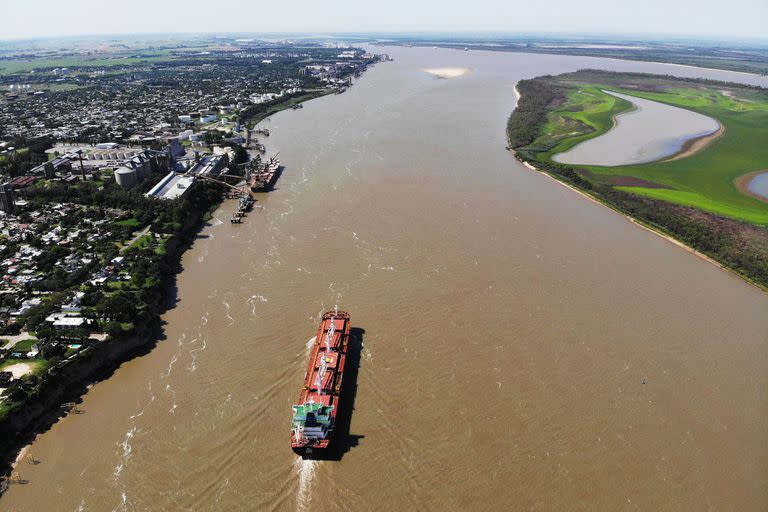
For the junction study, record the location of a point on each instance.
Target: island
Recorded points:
(745, 56)
(706, 194)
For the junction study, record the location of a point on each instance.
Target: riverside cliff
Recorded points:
(69, 379)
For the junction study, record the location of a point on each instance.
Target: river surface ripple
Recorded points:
(523, 348)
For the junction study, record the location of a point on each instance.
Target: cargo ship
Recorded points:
(263, 178)
(314, 417)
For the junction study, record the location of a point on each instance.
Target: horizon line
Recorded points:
(445, 33)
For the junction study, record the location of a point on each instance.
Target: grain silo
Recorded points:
(125, 177)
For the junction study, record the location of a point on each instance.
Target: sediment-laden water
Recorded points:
(650, 132)
(523, 348)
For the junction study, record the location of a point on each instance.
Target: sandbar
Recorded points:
(447, 72)
(695, 145)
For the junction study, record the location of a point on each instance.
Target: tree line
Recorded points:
(740, 246)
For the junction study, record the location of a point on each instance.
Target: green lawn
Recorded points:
(160, 249)
(587, 113)
(704, 180)
(131, 223)
(13, 66)
(24, 345)
(142, 242)
(119, 285)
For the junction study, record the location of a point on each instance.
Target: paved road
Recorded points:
(135, 238)
(12, 340)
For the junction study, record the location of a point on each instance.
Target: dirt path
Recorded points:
(135, 238)
(12, 340)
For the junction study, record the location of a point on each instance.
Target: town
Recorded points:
(107, 170)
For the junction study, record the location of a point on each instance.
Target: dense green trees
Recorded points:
(536, 98)
(149, 270)
(30, 153)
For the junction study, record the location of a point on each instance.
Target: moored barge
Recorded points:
(263, 178)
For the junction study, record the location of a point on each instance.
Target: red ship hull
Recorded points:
(319, 400)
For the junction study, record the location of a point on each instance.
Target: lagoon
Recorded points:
(758, 185)
(651, 131)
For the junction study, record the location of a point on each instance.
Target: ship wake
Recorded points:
(305, 471)
(310, 342)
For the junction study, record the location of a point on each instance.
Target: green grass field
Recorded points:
(37, 365)
(704, 180)
(130, 222)
(587, 113)
(9, 67)
(24, 345)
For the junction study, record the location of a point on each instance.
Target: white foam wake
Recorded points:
(305, 471)
(252, 301)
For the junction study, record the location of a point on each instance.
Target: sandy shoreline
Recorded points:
(690, 146)
(23, 452)
(693, 146)
(742, 183)
(642, 225)
(446, 72)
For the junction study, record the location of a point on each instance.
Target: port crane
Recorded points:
(240, 190)
(237, 190)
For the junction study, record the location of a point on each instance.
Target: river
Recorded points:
(524, 347)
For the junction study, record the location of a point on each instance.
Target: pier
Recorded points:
(245, 205)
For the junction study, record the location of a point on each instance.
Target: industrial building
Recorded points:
(109, 155)
(49, 169)
(126, 177)
(172, 186)
(175, 185)
(210, 165)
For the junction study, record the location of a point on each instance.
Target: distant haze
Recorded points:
(741, 19)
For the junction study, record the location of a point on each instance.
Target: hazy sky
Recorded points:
(722, 19)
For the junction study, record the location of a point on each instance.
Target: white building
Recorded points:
(172, 186)
(66, 321)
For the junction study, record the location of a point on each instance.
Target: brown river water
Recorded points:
(524, 348)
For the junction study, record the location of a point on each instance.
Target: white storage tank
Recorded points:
(125, 177)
